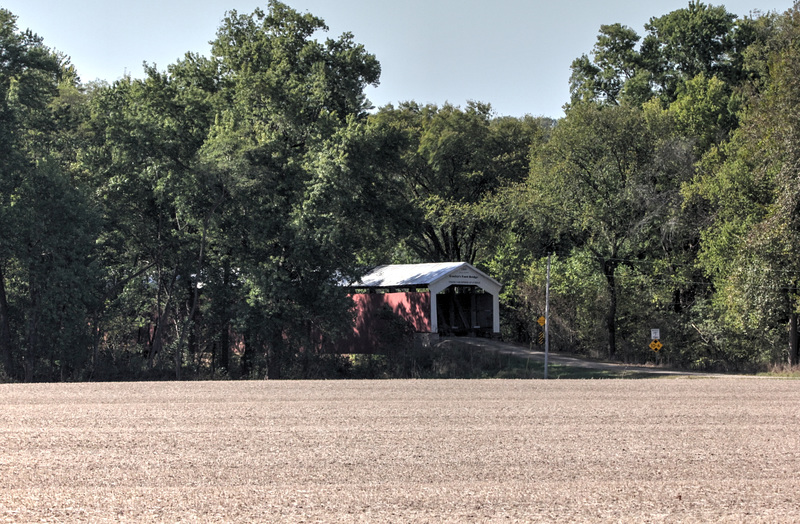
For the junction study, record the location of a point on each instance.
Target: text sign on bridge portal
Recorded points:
(463, 279)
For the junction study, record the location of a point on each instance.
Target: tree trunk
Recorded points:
(178, 362)
(157, 343)
(194, 289)
(221, 316)
(6, 352)
(33, 333)
(275, 355)
(249, 349)
(274, 363)
(791, 305)
(97, 335)
(224, 348)
(609, 270)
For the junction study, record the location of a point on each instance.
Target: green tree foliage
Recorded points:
(46, 278)
(453, 161)
(616, 66)
(695, 73)
(295, 104)
(234, 190)
(702, 111)
(752, 183)
(698, 40)
(158, 198)
(688, 42)
(609, 179)
(200, 220)
(231, 194)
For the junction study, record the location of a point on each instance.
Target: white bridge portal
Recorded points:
(438, 278)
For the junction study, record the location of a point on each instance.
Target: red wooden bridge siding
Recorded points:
(371, 324)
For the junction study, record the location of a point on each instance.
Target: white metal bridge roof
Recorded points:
(410, 275)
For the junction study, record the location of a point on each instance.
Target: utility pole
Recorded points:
(547, 318)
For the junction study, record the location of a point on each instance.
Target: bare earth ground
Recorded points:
(653, 450)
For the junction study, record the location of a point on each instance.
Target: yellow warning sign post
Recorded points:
(655, 343)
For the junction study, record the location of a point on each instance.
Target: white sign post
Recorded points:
(655, 342)
(547, 318)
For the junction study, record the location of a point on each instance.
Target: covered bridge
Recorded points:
(449, 298)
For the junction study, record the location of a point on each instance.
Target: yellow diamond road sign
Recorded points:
(656, 345)
(541, 321)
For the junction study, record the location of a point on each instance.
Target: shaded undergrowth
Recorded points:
(459, 361)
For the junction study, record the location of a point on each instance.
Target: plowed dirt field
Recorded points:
(654, 450)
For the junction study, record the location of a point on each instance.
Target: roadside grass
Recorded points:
(781, 371)
(461, 361)
(580, 372)
(520, 367)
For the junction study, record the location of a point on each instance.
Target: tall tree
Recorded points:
(688, 42)
(697, 40)
(158, 198)
(48, 223)
(453, 160)
(616, 66)
(752, 184)
(290, 98)
(607, 179)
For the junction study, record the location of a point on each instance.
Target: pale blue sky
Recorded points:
(514, 54)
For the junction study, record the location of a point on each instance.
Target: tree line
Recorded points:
(199, 221)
